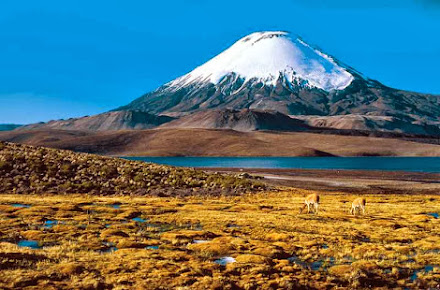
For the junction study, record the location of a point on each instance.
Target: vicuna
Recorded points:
(312, 203)
(358, 205)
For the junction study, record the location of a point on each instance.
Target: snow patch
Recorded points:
(267, 56)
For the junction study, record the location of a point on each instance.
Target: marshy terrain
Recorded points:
(249, 241)
(226, 232)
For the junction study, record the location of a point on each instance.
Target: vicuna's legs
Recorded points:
(357, 210)
(311, 201)
(354, 210)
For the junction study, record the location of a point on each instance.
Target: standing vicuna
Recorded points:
(357, 205)
(311, 201)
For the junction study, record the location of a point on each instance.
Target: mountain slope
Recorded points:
(117, 120)
(274, 71)
(369, 123)
(209, 142)
(244, 120)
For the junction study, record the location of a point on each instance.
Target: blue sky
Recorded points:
(61, 59)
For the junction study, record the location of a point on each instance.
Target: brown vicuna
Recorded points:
(358, 205)
(311, 202)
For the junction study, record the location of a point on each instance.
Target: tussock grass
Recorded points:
(26, 169)
(396, 244)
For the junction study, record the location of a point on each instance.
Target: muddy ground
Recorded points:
(350, 181)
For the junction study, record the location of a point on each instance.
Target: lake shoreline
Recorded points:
(398, 164)
(349, 181)
(360, 181)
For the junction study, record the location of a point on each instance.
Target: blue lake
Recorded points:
(418, 164)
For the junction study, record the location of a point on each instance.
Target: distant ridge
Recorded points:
(364, 123)
(117, 120)
(222, 142)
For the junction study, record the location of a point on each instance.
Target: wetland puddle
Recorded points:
(314, 266)
(152, 247)
(433, 214)
(200, 241)
(110, 248)
(427, 269)
(50, 223)
(224, 261)
(29, 244)
(139, 220)
(232, 226)
(21, 205)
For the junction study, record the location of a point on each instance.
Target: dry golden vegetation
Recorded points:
(28, 169)
(85, 241)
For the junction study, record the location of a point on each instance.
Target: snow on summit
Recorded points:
(265, 56)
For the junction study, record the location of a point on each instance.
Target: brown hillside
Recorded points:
(110, 121)
(29, 169)
(204, 142)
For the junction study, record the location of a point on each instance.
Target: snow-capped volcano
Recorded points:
(279, 72)
(271, 81)
(267, 56)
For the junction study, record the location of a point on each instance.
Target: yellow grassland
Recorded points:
(396, 244)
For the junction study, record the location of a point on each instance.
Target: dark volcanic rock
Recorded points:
(362, 97)
(243, 120)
